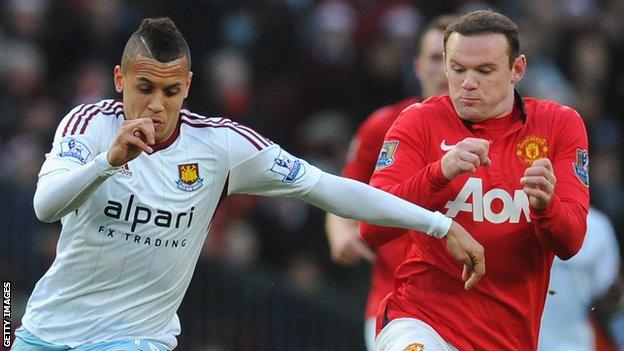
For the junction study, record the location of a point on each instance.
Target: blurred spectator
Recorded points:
(228, 76)
(575, 284)
(299, 71)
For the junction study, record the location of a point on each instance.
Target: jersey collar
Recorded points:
(519, 105)
(166, 143)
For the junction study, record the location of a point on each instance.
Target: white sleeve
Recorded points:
(75, 166)
(273, 172)
(72, 147)
(352, 199)
(61, 192)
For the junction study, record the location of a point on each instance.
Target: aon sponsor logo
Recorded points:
(481, 204)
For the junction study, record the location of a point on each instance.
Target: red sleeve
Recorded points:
(561, 227)
(405, 171)
(365, 146)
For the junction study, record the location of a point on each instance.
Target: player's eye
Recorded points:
(459, 69)
(172, 92)
(485, 71)
(146, 89)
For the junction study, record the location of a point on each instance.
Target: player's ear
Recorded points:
(518, 69)
(118, 77)
(188, 84)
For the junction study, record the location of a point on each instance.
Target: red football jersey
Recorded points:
(503, 311)
(363, 154)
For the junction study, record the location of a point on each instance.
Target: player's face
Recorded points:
(481, 83)
(430, 64)
(156, 90)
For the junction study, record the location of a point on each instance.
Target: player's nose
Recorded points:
(469, 82)
(156, 103)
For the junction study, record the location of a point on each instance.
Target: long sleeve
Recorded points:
(77, 162)
(561, 227)
(352, 199)
(403, 171)
(274, 172)
(63, 191)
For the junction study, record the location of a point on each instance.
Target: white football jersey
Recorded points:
(125, 256)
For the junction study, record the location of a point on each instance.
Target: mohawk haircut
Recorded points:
(158, 39)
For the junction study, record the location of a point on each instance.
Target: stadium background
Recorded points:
(304, 73)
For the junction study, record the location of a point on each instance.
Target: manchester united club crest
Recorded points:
(415, 347)
(189, 177)
(532, 148)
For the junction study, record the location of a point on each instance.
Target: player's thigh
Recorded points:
(126, 345)
(410, 334)
(369, 333)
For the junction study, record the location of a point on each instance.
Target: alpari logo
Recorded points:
(481, 205)
(143, 215)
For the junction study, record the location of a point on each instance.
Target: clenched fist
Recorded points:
(134, 137)
(539, 183)
(466, 156)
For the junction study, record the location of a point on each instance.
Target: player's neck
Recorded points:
(505, 107)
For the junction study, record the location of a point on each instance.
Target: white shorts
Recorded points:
(410, 334)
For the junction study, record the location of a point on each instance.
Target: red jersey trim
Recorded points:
(165, 144)
(109, 108)
(115, 108)
(252, 136)
(199, 118)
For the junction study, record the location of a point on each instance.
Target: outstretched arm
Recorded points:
(274, 172)
(352, 199)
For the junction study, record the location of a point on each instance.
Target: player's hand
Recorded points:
(466, 156)
(467, 250)
(134, 137)
(346, 245)
(539, 183)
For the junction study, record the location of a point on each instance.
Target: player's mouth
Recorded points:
(469, 101)
(157, 122)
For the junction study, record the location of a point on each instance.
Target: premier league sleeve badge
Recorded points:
(74, 150)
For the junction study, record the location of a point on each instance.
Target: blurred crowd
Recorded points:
(304, 73)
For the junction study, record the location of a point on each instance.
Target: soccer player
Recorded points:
(135, 184)
(575, 283)
(512, 170)
(343, 234)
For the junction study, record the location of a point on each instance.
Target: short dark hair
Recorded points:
(156, 38)
(487, 22)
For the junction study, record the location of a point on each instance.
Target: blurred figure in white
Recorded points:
(575, 283)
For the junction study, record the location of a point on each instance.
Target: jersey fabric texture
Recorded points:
(363, 154)
(126, 255)
(503, 311)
